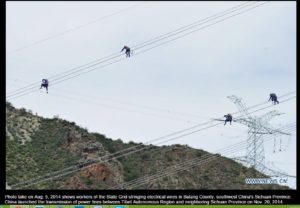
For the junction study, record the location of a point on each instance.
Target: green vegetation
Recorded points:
(37, 146)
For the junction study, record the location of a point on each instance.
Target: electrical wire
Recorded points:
(75, 168)
(75, 28)
(116, 56)
(186, 165)
(159, 112)
(138, 45)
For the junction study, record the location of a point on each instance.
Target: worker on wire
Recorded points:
(273, 98)
(45, 84)
(127, 51)
(228, 118)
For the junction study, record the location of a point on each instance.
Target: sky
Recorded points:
(165, 89)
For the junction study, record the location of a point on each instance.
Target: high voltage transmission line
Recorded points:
(77, 71)
(185, 165)
(75, 168)
(66, 76)
(143, 43)
(257, 127)
(133, 150)
(76, 28)
(154, 111)
(176, 168)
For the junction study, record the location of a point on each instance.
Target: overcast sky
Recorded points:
(172, 87)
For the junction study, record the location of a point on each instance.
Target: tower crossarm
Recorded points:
(268, 116)
(257, 126)
(275, 131)
(263, 120)
(240, 105)
(245, 121)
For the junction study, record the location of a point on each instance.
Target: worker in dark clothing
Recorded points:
(127, 51)
(228, 118)
(273, 98)
(45, 84)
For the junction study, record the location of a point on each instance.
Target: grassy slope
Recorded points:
(45, 153)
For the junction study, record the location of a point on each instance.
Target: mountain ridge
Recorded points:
(37, 146)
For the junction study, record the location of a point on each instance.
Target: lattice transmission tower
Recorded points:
(257, 127)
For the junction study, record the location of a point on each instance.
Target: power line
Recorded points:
(194, 24)
(184, 165)
(32, 87)
(158, 111)
(143, 43)
(149, 142)
(72, 77)
(146, 107)
(203, 124)
(75, 168)
(75, 28)
(199, 23)
(201, 28)
(124, 109)
(116, 56)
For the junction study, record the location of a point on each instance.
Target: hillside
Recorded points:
(42, 148)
